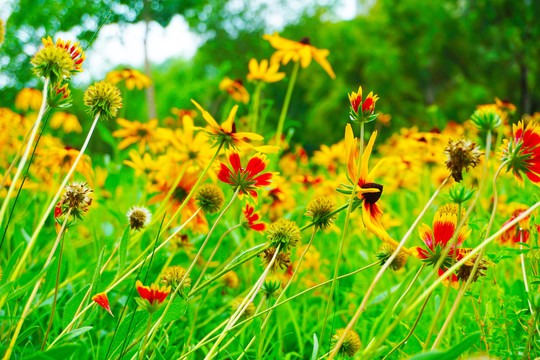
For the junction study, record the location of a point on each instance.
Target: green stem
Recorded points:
(256, 105)
(286, 102)
(145, 341)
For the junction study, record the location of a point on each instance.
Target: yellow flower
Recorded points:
(58, 60)
(68, 122)
(132, 77)
(261, 71)
(302, 51)
(235, 89)
(330, 156)
(28, 99)
(142, 165)
(56, 157)
(141, 133)
(103, 98)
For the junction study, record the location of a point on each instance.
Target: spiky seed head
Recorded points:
(139, 217)
(384, 253)
(77, 198)
(351, 344)
(52, 62)
(103, 98)
(271, 286)
(285, 233)
(459, 194)
(486, 118)
(248, 312)
(210, 198)
(282, 262)
(461, 155)
(465, 270)
(173, 275)
(320, 210)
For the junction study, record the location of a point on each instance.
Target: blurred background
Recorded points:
(430, 62)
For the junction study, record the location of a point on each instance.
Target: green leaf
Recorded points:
(13, 291)
(72, 305)
(123, 250)
(97, 273)
(75, 333)
(63, 352)
(176, 310)
(451, 354)
(315, 347)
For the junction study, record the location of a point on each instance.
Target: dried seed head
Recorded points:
(461, 155)
(248, 312)
(173, 275)
(465, 270)
(103, 98)
(384, 253)
(282, 262)
(138, 217)
(320, 210)
(351, 344)
(285, 233)
(77, 198)
(210, 198)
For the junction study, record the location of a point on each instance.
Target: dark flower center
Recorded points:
(180, 194)
(372, 198)
(305, 40)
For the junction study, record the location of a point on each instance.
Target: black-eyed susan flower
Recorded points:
(235, 88)
(262, 72)
(368, 192)
(362, 110)
(351, 344)
(151, 296)
(102, 300)
(460, 155)
(132, 78)
(522, 152)
(138, 217)
(173, 275)
(103, 98)
(505, 104)
(68, 122)
(59, 60)
(251, 219)
(226, 132)
(437, 239)
(210, 198)
(298, 51)
(59, 95)
(141, 164)
(142, 134)
(246, 180)
(28, 99)
(284, 233)
(320, 210)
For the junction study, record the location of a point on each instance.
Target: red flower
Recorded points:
(58, 210)
(152, 296)
(251, 219)
(246, 180)
(522, 153)
(102, 300)
(359, 108)
(519, 232)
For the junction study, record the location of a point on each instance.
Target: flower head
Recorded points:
(251, 219)
(58, 60)
(486, 118)
(271, 286)
(351, 344)
(262, 72)
(518, 232)
(230, 280)
(362, 109)
(235, 88)
(249, 309)
(173, 275)
(384, 253)
(461, 155)
(459, 194)
(282, 261)
(103, 98)
(522, 152)
(226, 133)
(141, 133)
(465, 270)
(151, 296)
(301, 51)
(102, 300)
(28, 99)
(77, 198)
(138, 217)
(210, 198)
(284, 232)
(2, 33)
(68, 122)
(320, 211)
(59, 95)
(133, 78)
(246, 180)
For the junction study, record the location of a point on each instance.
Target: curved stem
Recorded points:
(409, 287)
(286, 102)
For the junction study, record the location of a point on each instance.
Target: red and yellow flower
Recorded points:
(235, 89)
(251, 219)
(518, 232)
(151, 296)
(246, 180)
(522, 152)
(362, 109)
(298, 51)
(102, 300)
(75, 51)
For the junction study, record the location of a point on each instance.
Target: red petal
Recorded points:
(234, 159)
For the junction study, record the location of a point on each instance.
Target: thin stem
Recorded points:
(143, 349)
(26, 310)
(344, 233)
(26, 151)
(362, 306)
(286, 102)
(409, 287)
(256, 104)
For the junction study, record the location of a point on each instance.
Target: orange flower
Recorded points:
(362, 110)
(151, 296)
(235, 89)
(132, 77)
(301, 51)
(102, 300)
(522, 153)
(28, 99)
(135, 132)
